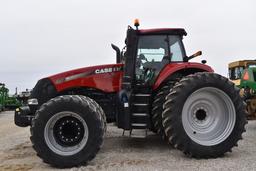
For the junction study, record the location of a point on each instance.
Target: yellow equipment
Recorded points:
(243, 75)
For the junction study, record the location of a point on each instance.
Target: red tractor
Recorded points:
(152, 87)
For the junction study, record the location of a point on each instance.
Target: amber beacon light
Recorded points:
(136, 23)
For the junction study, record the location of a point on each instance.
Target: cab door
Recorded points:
(152, 56)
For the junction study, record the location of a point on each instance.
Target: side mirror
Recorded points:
(199, 53)
(118, 54)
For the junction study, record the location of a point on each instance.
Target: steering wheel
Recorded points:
(148, 74)
(142, 57)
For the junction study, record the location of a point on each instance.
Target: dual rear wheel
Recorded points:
(203, 115)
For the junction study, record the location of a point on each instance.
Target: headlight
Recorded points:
(32, 102)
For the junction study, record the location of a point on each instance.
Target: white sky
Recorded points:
(41, 38)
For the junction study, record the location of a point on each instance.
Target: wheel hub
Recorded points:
(208, 116)
(200, 114)
(68, 131)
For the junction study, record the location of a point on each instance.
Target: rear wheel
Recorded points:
(157, 107)
(68, 130)
(204, 115)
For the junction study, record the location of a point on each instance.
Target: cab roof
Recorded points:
(242, 63)
(174, 31)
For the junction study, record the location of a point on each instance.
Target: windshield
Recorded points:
(152, 48)
(155, 48)
(156, 51)
(236, 73)
(252, 66)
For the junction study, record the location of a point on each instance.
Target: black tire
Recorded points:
(157, 107)
(99, 110)
(175, 125)
(87, 111)
(44, 90)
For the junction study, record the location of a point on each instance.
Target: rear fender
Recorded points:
(184, 68)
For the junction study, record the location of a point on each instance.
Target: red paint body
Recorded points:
(174, 67)
(110, 82)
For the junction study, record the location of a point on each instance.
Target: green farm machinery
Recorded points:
(7, 101)
(243, 74)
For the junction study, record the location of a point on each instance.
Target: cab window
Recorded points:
(153, 48)
(236, 73)
(176, 49)
(155, 52)
(152, 55)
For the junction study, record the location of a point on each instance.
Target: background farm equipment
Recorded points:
(243, 74)
(23, 96)
(7, 102)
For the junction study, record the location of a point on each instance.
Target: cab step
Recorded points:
(138, 133)
(140, 114)
(139, 125)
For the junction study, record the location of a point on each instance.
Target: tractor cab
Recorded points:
(148, 51)
(146, 54)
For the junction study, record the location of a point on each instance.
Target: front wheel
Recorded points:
(204, 115)
(68, 130)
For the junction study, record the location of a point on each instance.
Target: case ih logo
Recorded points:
(88, 73)
(106, 70)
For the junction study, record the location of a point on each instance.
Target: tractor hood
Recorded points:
(103, 77)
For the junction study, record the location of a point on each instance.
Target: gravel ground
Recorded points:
(122, 153)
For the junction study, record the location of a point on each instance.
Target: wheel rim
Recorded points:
(208, 116)
(66, 133)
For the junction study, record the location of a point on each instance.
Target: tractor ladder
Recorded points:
(140, 113)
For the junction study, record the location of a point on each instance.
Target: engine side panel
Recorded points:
(175, 67)
(106, 78)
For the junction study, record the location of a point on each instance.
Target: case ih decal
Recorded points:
(107, 70)
(73, 77)
(88, 73)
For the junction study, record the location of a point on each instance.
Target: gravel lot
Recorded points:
(122, 153)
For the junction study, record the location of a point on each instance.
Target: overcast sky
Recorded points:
(41, 38)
